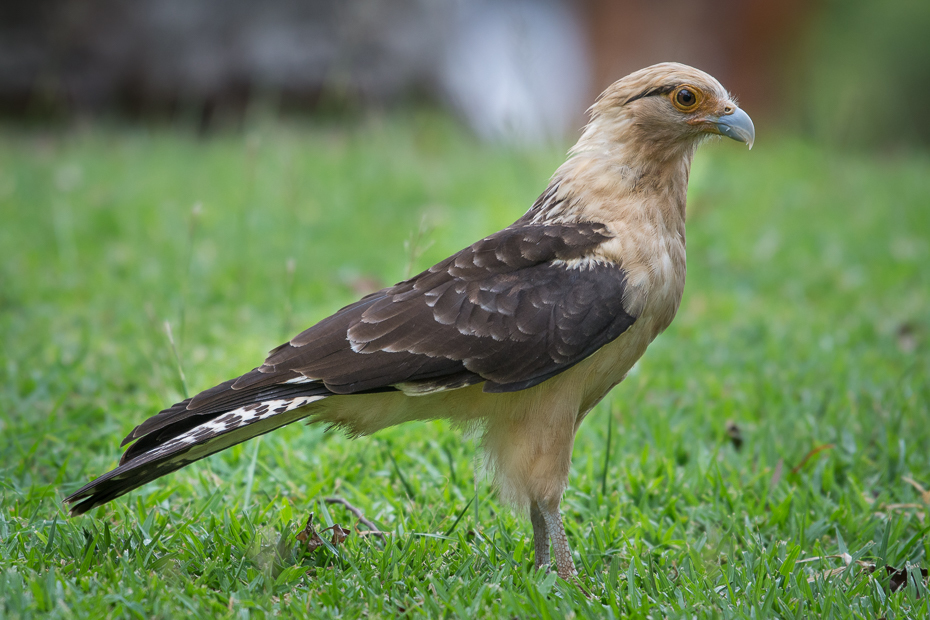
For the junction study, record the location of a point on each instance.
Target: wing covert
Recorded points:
(512, 310)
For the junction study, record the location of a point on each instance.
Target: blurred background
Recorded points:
(852, 72)
(185, 184)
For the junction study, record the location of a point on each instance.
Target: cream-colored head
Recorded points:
(634, 156)
(664, 111)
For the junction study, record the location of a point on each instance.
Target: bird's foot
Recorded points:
(547, 525)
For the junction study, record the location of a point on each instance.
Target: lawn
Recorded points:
(768, 457)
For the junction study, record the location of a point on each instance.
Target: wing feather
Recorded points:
(508, 311)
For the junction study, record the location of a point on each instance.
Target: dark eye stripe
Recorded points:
(662, 90)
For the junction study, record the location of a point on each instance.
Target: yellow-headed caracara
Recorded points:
(522, 332)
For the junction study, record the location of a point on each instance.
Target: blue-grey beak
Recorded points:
(736, 125)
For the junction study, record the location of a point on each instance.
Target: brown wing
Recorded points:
(512, 310)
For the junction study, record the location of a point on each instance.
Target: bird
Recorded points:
(520, 334)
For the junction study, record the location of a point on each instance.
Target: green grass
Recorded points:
(805, 323)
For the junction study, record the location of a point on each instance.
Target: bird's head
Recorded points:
(664, 111)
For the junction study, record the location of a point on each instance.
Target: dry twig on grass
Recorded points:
(372, 528)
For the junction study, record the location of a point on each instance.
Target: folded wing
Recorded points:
(511, 311)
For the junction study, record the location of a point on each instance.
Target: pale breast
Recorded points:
(666, 283)
(654, 259)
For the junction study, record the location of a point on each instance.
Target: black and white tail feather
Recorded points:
(195, 437)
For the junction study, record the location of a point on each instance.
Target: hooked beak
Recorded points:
(735, 125)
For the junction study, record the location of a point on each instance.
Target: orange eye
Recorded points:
(686, 98)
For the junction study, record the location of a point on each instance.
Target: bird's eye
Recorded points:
(686, 98)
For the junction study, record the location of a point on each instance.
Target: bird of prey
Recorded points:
(522, 332)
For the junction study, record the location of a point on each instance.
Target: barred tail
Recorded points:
(183, 442)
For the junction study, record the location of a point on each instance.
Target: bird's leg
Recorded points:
(540, 536)
(556, 530)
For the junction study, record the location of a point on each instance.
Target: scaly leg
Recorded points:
(540, 536)
(556, 530)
